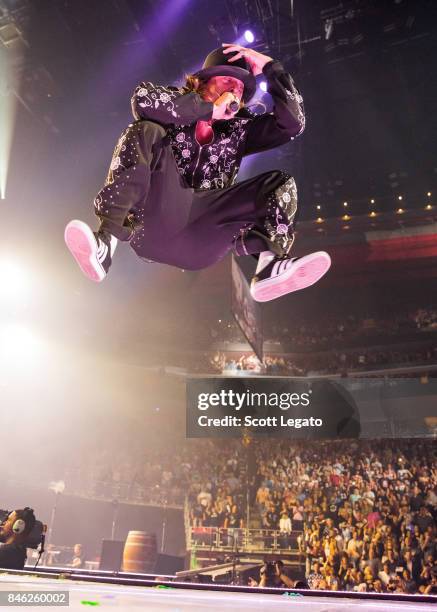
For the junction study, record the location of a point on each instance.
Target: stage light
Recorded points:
(329, 27)
(57, 486)
(249, 36)
(429, 194)
(344, 203)
(400, 211)
(373, 213)
(14, 282)
(263, 86)
(399, 197)
(8, 87)
(372, 201)
(428, 207)
(18, 344)
(318, 207)
(345, 217)
(319, 220)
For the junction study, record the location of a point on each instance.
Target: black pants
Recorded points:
(146, 201)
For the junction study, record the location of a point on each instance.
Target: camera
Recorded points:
(268, 569)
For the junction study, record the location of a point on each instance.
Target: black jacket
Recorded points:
(216, 165)
(12, 556)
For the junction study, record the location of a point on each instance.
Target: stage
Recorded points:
(94, 590)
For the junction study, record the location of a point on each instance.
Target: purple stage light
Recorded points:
(157, 26)
(249, 36)
(263, 86)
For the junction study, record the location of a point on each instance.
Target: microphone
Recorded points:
(234, 105)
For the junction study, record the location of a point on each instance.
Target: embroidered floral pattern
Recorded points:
(293, 94)
(282, 207)
(212, 166)
(98, 203)
(116, 163)
(157, 95)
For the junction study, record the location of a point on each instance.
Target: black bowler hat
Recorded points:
(216, 64)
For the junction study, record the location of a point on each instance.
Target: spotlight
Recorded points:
(329, 27)
(429, 194)
(399, 197)
(319, 220)
(249, 36)
(57, 486)
(13, 280)
(18, 344)
(428, 207)
(373, 213)
(263, 86)
(372, 201)
(318, 207)
(344, 203)
(400, 211)
(345, 217)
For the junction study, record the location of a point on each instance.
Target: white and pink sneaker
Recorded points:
(275, 277)
(93, 251)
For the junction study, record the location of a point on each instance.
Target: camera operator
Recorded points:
(272, 575)
(14, 532)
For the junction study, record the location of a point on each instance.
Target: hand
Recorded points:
(256, 60)
(221, 105)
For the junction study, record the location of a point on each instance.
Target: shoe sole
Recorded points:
(82, 245)
(307, 271)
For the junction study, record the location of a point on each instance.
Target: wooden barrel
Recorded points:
(140, 552)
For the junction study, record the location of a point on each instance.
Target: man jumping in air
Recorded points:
(171, 191)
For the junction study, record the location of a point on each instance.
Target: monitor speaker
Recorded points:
(111, 555)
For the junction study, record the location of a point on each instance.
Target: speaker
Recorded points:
(169, 564)
(111, 555)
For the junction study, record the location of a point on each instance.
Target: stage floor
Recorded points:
(177, 600)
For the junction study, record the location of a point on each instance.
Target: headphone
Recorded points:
(26, 522)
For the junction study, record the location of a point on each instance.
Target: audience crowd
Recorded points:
(336, 329)
(361, 513)
(332, 362)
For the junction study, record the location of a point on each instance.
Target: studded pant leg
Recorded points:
(275, 232)
(281, 212)
(127, 184)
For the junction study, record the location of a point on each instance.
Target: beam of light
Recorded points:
(7, 119)
(14, 282)
(154, 30)
(19, 346)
